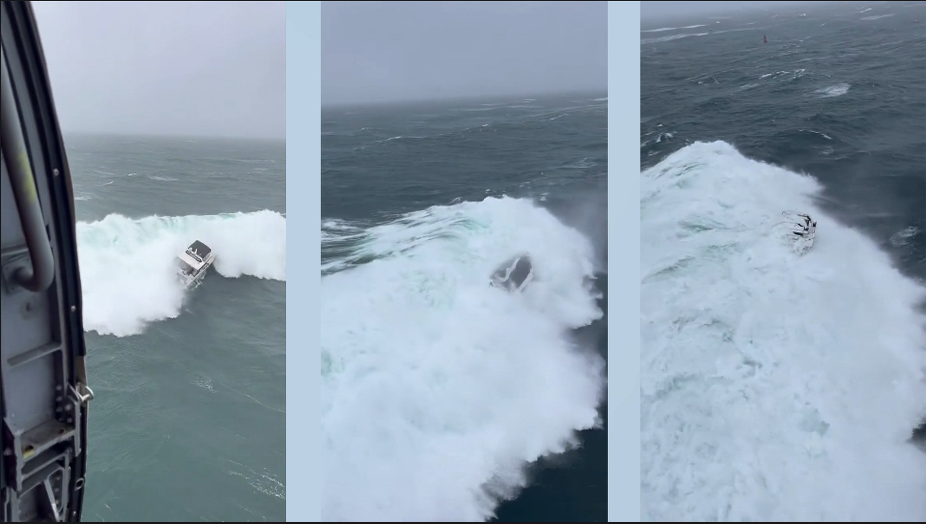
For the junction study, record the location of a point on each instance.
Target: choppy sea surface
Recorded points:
(446, 399)
(777, 386)
(189, 417)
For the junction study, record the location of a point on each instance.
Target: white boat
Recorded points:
(803, 231)
(804, 241)
(514, 275)
(193, 264)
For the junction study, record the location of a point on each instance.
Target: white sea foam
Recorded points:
(775, 387)
(128, 266)
(437, 388)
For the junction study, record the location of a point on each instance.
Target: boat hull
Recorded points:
(194, 279)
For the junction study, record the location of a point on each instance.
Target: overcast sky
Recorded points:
(174, 68)
(398, 51)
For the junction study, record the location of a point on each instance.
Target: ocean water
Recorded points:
(443, 398)
(189, 417)
(778, 386)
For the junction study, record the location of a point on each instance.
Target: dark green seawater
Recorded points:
(777, 386)
(443, 398)
(189, 419)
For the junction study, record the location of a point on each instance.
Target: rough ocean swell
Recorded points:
(144, 251)
(189, 417)
(437, 388)
(774, 386)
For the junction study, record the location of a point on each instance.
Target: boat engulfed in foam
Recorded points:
(803, 231)
(514, 275)
(194, 263)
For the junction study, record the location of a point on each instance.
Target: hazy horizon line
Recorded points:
(437, 99)
(135, 134)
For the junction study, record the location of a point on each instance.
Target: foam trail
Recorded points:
(877, 17)
(128, 266)
(836, 90)
(663, 29)
(774, 387)
(438, 388)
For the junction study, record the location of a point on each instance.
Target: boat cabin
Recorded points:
(193, 260)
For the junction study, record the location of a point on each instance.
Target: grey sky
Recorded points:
(653, 11)
(172, 68)
(397, 51)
